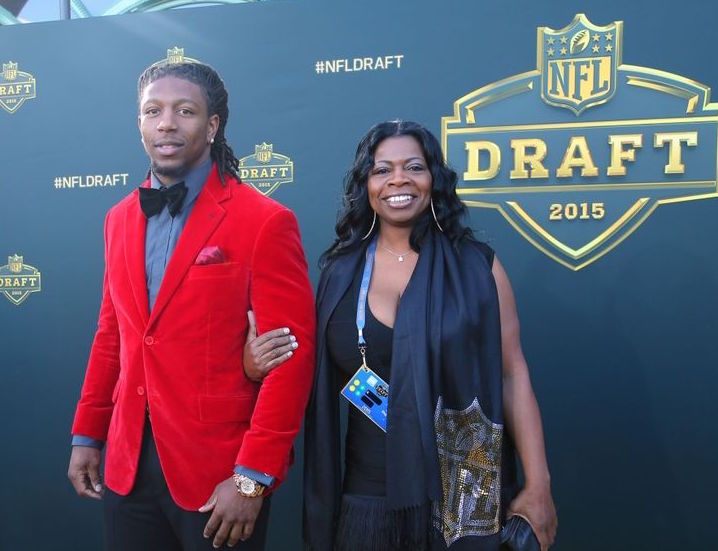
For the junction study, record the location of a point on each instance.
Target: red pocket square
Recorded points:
(210, 255)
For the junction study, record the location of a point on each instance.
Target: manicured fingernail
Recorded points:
(98, 488)
(295, 344)
(292, 338)
(286, 330)
(289, 354)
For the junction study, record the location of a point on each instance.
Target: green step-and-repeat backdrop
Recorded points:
(586, 143)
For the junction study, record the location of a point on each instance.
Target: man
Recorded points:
(186, 256)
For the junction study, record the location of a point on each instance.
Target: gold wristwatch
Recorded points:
(248, 487)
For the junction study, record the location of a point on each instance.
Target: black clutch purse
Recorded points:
(517, 535)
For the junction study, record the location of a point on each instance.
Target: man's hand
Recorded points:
(537, 506)
(233, 515)
(264, 353)
(84, 472)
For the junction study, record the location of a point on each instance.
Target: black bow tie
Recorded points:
(152, 201)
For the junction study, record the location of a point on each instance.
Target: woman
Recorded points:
(438, 323)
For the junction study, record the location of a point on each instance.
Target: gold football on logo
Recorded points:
(579, 41)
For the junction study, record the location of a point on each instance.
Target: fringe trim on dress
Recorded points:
(365, 524)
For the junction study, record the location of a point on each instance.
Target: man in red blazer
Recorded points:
(193, 444)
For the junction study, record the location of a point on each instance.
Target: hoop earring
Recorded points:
(434, 213)
(373, 222)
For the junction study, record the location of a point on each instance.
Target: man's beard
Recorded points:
(171, 172)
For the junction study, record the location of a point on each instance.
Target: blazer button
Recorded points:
(149, 341)
(140, 390)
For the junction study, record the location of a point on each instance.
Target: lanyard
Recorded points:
(362, 300)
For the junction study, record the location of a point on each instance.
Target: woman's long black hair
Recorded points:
(355, 217)
(217, 98)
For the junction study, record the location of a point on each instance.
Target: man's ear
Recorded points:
(212, 127)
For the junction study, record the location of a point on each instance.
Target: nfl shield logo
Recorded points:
(578, 63)
(263, 152)
(175, 55)
(9, 71)
(14, 263)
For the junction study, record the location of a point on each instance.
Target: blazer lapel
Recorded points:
(135, 230)
(206, 215)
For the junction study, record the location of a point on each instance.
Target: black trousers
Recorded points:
(147, 519)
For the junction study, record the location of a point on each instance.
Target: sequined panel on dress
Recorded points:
(469, 446)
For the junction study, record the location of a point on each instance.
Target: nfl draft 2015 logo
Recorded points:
(266, 170)
(18, 280)
(16, 87)
(579, 152)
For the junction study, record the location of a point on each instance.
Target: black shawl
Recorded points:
(445, 417)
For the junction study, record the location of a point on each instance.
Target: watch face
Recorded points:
(248, 486)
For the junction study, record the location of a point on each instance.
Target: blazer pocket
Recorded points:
(222, 269)
(226, 409)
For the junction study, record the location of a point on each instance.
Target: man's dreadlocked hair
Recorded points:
(214, 92)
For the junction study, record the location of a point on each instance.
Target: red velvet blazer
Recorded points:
(184, 359)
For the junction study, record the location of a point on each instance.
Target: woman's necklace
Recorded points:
(399, 256)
